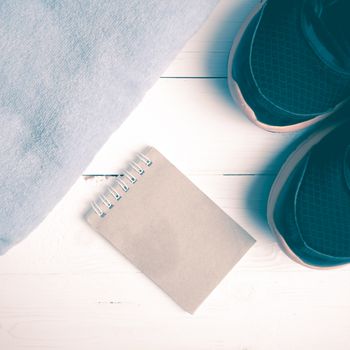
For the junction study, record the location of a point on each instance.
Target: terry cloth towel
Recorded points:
(70, 73)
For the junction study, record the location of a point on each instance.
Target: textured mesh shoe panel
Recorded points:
(285, 68)
(323, 201)
(265, 111)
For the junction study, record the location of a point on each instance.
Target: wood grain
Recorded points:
(64, 287)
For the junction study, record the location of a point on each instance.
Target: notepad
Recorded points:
(170, 230)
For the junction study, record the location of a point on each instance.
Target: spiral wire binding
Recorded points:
(96, 207)
(105, 201)
(137, 168)
(123, 185)
(130, 177)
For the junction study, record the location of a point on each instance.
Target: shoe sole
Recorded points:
(237, 94)
(288, 167)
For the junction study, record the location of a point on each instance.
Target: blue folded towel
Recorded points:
(70, 73)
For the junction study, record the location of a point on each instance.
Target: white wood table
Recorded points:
(64, 287)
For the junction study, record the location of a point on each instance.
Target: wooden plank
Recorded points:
(206, 54)
(249, 310)
(196, 124)
(64, 287)
(64, 244)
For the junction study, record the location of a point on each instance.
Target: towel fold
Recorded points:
(70, 73)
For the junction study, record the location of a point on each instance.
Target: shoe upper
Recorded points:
(326, 26)
(279, 72)
(313, 213)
